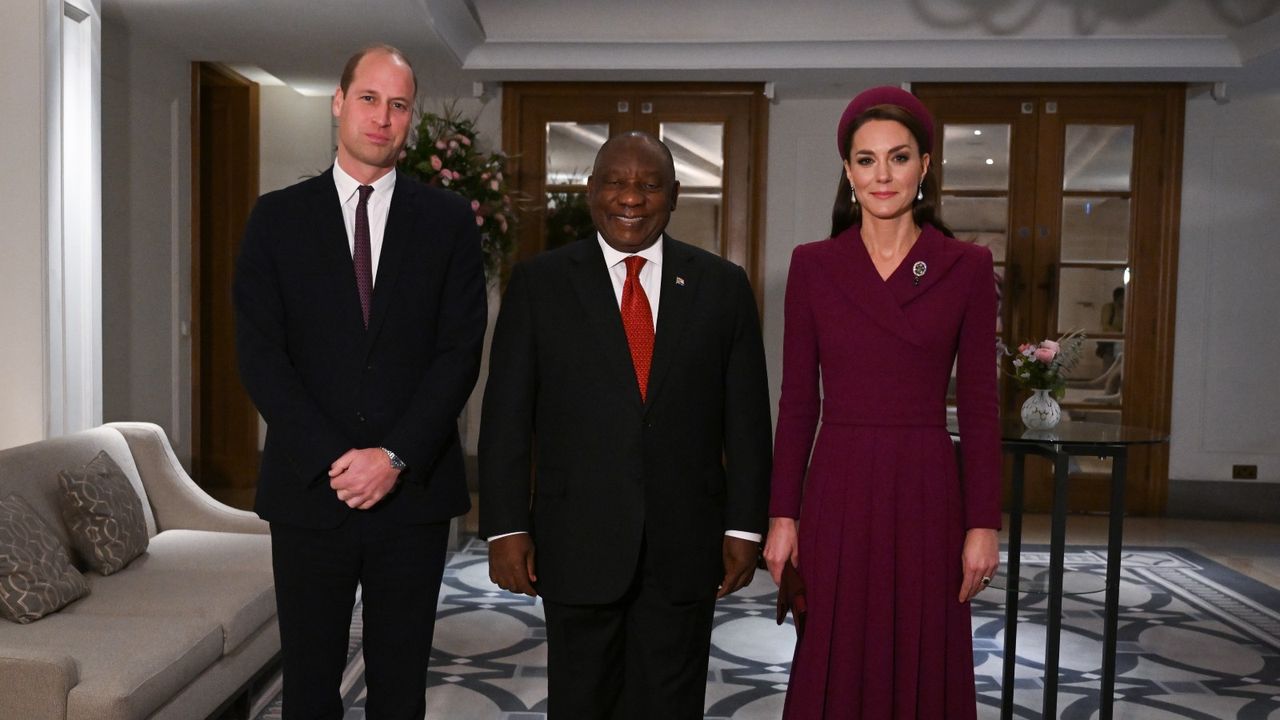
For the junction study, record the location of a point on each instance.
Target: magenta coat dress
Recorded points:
(882, 506)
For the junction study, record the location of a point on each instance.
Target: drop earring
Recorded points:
(920, 192)
(853, 196)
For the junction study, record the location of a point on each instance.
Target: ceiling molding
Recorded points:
(456, 25)
(1194, 56)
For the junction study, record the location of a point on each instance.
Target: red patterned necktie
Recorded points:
(637, 320)
(363, 253)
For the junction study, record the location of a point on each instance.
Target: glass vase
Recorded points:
(1041, 411)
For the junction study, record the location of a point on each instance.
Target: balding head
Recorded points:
(637, 138)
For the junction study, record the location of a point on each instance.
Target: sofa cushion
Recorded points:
(128, 666)
(31, 472)
(103, 514)
(232, 587)
(36, 576)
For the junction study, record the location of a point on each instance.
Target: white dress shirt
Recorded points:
(379, 204)
(651, 281)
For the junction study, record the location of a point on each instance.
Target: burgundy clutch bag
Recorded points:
(791, 597)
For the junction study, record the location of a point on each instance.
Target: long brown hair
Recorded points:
(845, 213)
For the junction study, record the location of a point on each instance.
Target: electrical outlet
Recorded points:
(1244, 472)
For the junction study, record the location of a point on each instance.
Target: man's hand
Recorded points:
(511, 564)
(739, 564)
(362, 477)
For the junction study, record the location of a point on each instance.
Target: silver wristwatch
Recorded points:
(396, 462)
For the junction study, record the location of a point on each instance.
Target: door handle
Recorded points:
(1050, 276)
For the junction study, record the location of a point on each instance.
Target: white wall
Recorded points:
(22, 205)
(1225, 408)
(146, 233)
(295, 139)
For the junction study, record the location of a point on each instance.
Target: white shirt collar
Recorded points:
(347, 185)
(612, 257)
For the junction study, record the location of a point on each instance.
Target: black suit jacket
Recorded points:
(562, 401)
(324, 383)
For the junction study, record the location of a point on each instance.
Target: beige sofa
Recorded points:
(179, 632)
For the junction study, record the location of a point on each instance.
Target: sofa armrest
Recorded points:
(175, 498)
(34, 684)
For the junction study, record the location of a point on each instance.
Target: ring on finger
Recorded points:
(986, 580)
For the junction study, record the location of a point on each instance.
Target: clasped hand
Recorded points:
(361, 478)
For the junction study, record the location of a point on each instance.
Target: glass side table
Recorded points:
(1067, 440)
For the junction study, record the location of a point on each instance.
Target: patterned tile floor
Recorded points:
(1197, 640)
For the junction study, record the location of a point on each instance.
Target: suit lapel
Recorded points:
(396, 238)
(590, 280)
(674, 306)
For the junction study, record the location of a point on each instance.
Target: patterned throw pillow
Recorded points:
(36, 576)
(103, 514)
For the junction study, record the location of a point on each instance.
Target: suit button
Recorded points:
(360, 416)
(367, 368)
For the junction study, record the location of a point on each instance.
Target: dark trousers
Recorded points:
(398, 568)
(640, 658)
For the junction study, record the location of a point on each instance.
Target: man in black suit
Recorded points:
(647, 435)
(360, 316)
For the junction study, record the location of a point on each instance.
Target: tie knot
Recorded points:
(634, 263)
(365, 192)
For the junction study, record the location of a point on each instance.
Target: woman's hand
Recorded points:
(780, 546)
(979, 559)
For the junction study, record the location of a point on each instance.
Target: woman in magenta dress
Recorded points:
(891, 539)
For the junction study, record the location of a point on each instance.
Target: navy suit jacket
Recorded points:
(324, 383)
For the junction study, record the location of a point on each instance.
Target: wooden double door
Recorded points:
(1075, 189)
(716, 132)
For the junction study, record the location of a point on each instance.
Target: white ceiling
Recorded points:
(805, 47)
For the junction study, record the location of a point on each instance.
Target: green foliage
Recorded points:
(444, 154)
(568, 218)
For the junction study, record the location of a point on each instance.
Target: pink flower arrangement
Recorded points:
(1044, 365)
(444, 154)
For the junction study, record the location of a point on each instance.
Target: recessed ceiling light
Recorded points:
(977, 132)
(990, 161)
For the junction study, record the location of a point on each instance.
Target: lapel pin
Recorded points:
(680, 281)
(919, 269)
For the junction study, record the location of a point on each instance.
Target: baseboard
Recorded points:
(1224, 500)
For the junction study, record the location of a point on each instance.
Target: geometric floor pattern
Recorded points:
(1196, 640)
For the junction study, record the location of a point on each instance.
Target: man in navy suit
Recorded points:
(627, 376)
(360, 316)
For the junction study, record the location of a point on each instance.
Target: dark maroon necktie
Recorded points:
(363, 253)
